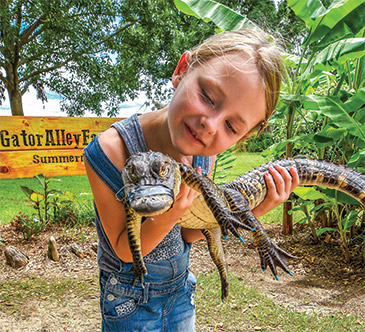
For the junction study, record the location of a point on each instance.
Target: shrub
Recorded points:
(27, 225)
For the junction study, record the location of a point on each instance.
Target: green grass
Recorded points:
(246, 162)
(17, 292)
(13, 200)
(248, 310)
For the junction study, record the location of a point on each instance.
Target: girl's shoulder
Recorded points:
(112, 144)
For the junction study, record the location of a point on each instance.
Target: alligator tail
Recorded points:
(311, 172)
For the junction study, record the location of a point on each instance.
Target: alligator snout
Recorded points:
(150, 200)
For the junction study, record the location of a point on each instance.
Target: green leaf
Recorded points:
(338, 53)
(303, 220)
(27, 191)
(323, 207)
(333, 132)
(349, 220)
(340, 196)
(333, 57)
(309, 193)
(358, 159)
(326, 229)
(343, 19)
(41, 179)
(333, 108)
(357, 100)
(308, 11)
(36, 197)
(207, 10)
(293, 60)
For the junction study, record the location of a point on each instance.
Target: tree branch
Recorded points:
(25, 88)
(72, 56)
(117, 32)
(24, 37)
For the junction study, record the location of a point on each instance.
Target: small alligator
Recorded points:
(152, 181)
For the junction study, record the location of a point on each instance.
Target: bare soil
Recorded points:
(322, 281)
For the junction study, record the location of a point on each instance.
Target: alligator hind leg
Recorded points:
(270, 253)
(213, 236)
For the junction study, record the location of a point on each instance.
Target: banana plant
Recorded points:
(325, 84)
(331, 61)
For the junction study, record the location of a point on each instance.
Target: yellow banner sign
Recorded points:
(52, 146)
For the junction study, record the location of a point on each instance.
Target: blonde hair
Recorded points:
(254, 45)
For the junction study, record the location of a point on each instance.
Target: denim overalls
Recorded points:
(166, 302)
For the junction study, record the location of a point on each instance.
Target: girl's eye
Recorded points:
(228, 124)
(207, 98)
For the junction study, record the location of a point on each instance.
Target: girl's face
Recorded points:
(215, 104)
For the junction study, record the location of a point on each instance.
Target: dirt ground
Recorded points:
(322, 281)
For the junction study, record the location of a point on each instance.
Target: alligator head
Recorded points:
(151, 182)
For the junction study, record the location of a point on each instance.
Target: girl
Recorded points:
(226, 89)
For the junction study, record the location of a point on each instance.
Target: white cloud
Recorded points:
(34, 107)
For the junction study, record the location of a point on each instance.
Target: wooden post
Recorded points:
(14, 257)
(52, 249)
(287, 219)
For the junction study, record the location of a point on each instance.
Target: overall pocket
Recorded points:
(117, 302)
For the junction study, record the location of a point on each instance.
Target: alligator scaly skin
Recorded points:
(252, 186)
(229, 207)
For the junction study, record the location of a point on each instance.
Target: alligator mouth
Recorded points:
(150, 200)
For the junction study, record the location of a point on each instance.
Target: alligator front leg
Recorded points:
(213, 236)
(133, 224)
(215, 200)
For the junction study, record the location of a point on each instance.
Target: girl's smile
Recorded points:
(193, 135)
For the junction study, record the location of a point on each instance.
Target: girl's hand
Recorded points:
(280, 183)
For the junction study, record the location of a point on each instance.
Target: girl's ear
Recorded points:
(181, 68)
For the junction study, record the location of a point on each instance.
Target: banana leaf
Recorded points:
(222, 16)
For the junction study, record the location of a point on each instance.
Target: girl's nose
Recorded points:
(210, 124)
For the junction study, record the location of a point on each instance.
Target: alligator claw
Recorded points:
(271, 254)
(229, 221)
(138, 273)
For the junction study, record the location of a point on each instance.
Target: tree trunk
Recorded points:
(15, 101)
(12, 85)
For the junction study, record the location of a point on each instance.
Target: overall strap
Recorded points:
(131, 131)
(104, 167)
(204, 162)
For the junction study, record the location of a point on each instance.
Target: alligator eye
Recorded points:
(164, 169)
(132, 174)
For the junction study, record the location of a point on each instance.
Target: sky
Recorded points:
(34, 107)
